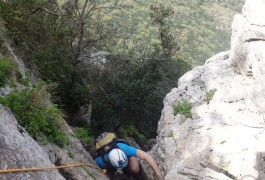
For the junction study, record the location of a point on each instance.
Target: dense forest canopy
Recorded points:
(203, 28)
(150, 44)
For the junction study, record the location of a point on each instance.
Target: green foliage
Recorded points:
(39, 117)
(2, 30)
(54, 37)
(183, 108)
(159, 14)
(210, 94)
(144, 38)
(132, 91)
(41, 38)
(26, 80)
(131, 131)
(84, 134)
(6, 67)
(203, 28)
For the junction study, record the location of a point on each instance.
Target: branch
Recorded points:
(43, 9)
(83, 10)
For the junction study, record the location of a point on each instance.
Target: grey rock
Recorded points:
(19, 150)
(83, 116)
(224, 138)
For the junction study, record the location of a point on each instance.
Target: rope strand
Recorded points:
(46, 168)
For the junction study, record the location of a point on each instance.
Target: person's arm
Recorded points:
(151, 161)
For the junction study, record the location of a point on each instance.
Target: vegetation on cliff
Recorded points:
(150, 44)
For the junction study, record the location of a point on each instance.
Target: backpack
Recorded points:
(107, 141)
(104, 143)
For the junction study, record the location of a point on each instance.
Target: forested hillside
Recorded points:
(202, 27)
(150, 45)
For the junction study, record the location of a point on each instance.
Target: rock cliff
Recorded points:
(20, 150)
(224, 139)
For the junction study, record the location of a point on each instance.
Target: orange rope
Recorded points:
(46, 168)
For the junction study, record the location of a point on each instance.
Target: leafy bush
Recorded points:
(131, 131)
(35, 112)
(6, 67)
(132, 92)
(183, 108)
(84, 134)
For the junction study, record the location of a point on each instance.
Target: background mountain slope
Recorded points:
(203, 28)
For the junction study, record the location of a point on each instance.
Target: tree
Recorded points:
(159, 14)
(54, 38)
(130, 89)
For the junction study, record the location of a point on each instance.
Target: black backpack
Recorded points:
(107, 141)
(104, 143)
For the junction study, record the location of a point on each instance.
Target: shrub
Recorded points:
(37, 114)
(183, 108)
(84, 134)
(131, 131)
(133, 92)
(6, 67)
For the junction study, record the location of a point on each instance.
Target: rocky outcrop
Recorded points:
(224, 139)
(19, 150)
(83, 116)
(94, 58)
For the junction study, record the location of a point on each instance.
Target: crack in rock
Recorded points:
(253, 40)
(190, 175)
(218, 169)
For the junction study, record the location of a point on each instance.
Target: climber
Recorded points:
(122, 156)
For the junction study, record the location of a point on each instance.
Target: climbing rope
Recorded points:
(51, 167)
(47, 168)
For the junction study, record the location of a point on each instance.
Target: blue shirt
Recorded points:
(128, 150)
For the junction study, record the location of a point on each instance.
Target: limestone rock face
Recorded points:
(224, 139)
(254, 12)
(19, 150)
